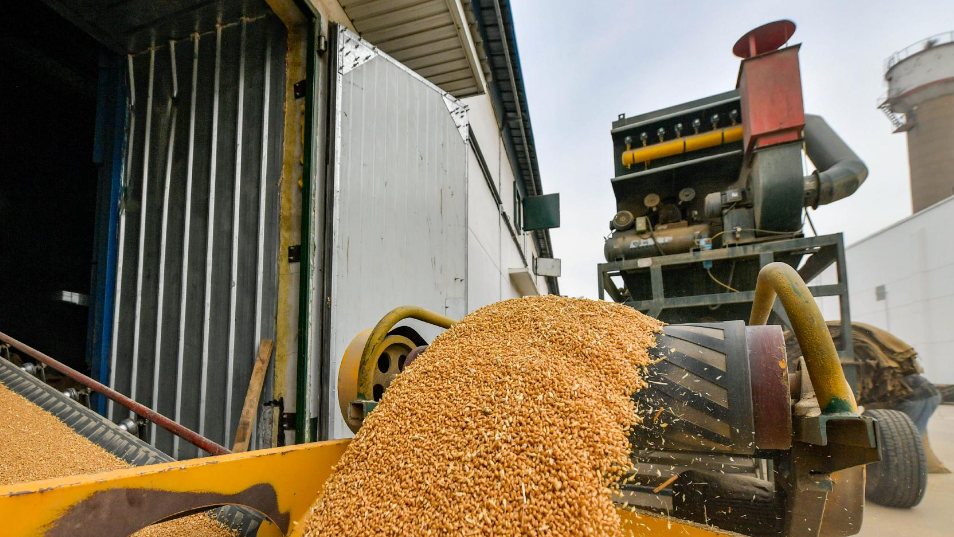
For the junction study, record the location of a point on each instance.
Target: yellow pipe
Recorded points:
(821, 357)
(380, 331)
(682, 145)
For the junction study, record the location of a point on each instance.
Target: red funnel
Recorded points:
(765, 38)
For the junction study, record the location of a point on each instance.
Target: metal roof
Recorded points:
(499, 43)
(432, 37)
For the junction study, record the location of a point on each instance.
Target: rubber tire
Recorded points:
(900, 479)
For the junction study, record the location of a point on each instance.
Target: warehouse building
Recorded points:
(244, 171)
(910, 292)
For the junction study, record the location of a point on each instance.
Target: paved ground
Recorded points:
(934, 516)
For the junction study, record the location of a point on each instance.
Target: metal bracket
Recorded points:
(287, 422)
(301, 88)
(294, 253)
(280, 405)
(458, 112)
(354, 52)
(359, 409)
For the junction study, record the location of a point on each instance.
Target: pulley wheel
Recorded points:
(387, 364)
(622, 221)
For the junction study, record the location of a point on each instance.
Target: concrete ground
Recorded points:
(934, 516)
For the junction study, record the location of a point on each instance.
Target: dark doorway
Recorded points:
(48, 181)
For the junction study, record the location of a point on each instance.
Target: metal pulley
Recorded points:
(375, 357)
(387, 364)
(687, 194)
(622, 221)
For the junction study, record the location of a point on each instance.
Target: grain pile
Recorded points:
(35, 445)
(514, 422)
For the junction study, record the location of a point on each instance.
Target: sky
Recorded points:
(584, 63)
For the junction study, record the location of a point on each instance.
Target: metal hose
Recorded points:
(380, 332)
(821, 357)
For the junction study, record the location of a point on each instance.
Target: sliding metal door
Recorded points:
(198, 231)
(398, 231)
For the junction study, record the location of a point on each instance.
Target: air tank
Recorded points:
(920, 103)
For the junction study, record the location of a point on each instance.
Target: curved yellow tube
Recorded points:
(682, 145)
(380, 331)
(821, 357)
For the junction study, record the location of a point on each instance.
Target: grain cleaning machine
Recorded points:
(709, 191)
(738, 405)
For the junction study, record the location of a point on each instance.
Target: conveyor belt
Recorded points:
(108, 436)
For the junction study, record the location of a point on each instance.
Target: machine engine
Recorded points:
(723, 171)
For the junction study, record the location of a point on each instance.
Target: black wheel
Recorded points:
(900, 479)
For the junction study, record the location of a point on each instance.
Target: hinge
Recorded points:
(300, 89)
(288, 421)
(294, 253)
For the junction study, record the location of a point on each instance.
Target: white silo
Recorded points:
(920, 102)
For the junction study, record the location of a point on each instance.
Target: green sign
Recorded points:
(541, 212)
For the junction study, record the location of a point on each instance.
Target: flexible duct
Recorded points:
(839, 171)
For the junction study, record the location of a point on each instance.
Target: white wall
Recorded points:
(376, 132)
(491, 249)
(400, 188)
(914, 260)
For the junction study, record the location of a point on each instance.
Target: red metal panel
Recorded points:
(771, 90)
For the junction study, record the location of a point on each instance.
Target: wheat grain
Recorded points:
(34, 445)
(513, 422)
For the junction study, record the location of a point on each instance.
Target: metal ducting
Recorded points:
(839, 171)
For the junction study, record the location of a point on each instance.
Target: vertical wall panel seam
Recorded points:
(262, 205)
(143, 208)
(236, 214)
(187, 230)
(210, 235)
(131, 137)
(157, 360)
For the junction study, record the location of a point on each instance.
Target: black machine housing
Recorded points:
(690, 202)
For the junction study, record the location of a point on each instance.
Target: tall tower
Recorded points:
(920, 102)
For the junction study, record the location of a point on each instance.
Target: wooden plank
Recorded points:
(254, 393)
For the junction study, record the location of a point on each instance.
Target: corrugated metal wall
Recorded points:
(915, 301)
(198, 248)
(399, 224)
